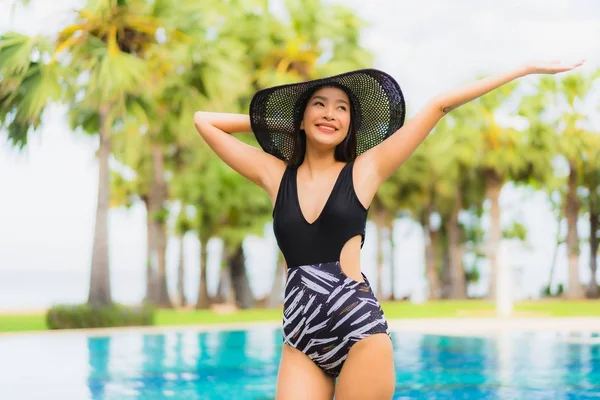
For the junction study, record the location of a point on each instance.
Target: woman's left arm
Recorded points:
(389, 155)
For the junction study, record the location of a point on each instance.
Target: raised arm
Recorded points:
(384, 159)
(258, 166)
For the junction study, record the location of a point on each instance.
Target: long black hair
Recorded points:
(344, 152)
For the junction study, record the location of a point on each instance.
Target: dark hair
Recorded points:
(345, 151)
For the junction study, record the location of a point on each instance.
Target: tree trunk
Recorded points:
(431, 245)
(458, 282)
(224, 291)
(151, 268)
(239, 279)
(204, 301)
(592, 290)
(392, 259)
(557, 244)
(275, 298)
(158, 198)
(382, 239)
(379, 219)
(574, 287)
(181, 274)
(227, 287)
(493, 186)
(100, 292)
(445, 270)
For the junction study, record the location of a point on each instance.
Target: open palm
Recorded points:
(552, 67)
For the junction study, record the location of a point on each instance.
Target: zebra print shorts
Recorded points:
(325, 312)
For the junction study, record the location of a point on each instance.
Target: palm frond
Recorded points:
(17, 51)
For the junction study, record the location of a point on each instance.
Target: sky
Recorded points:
(48, 192)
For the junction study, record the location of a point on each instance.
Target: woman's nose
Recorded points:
(329, 113)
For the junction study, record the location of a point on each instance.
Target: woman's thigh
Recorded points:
(300, 378)
(368, 372)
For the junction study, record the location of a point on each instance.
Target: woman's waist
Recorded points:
(319, 264)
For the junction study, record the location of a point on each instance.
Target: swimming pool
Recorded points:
(243, 365)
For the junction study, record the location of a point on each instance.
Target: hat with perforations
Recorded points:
(377, 101)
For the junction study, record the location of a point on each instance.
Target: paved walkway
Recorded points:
(484, 326)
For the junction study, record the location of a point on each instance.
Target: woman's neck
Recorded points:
(316, 162)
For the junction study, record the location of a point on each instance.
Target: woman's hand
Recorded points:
(552, 67)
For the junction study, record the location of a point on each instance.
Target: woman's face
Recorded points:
(326, 118)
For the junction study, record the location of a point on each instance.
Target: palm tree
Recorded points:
(114, 41)
(504, 154)
(281, 53)
(497, 160)
(130, 150)
(183, 226)
(571, 91)
(554, 191)
(243, 210)
(457, 171)
(418, 186)
(315, 30)
(99, 63)
(382, 212)
(533, 107)
(27, 86)
(591, 180)
(215, 81)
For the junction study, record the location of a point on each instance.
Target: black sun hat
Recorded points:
(377, 101)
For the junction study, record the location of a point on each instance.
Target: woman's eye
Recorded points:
(343, 108)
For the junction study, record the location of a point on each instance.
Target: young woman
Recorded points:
(328, 145)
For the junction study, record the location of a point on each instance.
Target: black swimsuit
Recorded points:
(325, 311)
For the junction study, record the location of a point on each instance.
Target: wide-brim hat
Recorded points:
(377, 100)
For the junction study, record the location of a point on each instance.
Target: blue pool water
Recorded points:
(243, 365)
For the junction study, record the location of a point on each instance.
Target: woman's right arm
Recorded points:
(258, 166)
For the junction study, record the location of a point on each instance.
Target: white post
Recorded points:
(504, 296)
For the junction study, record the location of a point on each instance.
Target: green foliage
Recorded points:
(547, 292)
(123, 191)
(157, 62)
(254, 50)
(227, 205)
(516, 231)
(160, 216)
(27, 85)
(472, 275)
(85, 316)
(564, 98)
(183, 224)
(16, 3)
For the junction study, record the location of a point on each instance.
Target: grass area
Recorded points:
(393, 310)
(22, 322)
(560, 308)
(176, 317)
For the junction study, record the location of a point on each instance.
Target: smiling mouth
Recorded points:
(326, 128)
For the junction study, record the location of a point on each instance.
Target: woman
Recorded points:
(328, 146)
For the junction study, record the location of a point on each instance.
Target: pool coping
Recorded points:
(435, 326)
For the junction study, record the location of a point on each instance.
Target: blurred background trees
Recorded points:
(134, 71)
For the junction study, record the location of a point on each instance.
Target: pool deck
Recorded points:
(434, 326)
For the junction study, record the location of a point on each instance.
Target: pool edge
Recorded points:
(433, 326)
